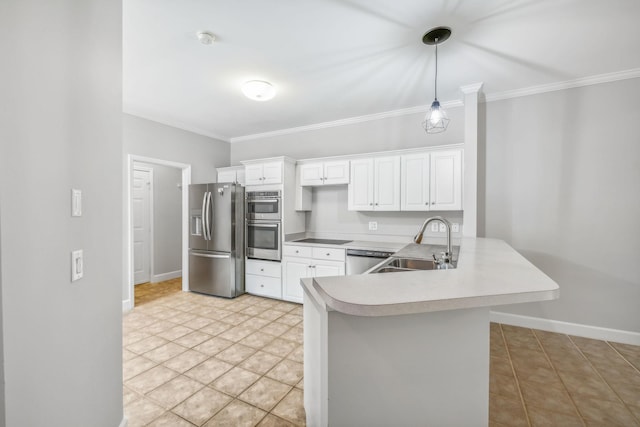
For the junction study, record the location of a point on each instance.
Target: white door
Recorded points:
(141, 197)
(294, 269)
(272, 173)
(253, 174)
(336, 172)
(387, 184)
(414, 185)
(360, 190)
(328, 268)
(446, 180)
(311, 174)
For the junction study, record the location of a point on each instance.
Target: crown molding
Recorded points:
(471, 88)
(128, 109)
(349, 121)
(568, 84)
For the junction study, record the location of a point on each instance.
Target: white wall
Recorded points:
(562, 185)
(167, 219)
(146, 138)
(60, 128)
(391, 133)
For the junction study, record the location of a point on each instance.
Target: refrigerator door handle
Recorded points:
(209, 213)
(204, 216)
(203, 255)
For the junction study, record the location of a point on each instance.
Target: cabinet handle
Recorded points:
(262, 286)
(262, 269)
(376, 204)
(433, 203)
(328, 253)
(370, 204)
(297, 252)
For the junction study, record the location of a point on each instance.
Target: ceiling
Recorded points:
(337, 59)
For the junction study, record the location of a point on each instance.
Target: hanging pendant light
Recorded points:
(436, 120)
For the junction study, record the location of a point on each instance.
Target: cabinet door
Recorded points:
(328, 268)
(227, 176)
(294, 269)
(360, 190)
(272, 173)
(446, 180)
(387, 183)
(253, 174)
(311, 174)
(336, 172)
(414, 182)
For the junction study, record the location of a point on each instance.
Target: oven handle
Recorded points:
(258, 224)
(264, 200)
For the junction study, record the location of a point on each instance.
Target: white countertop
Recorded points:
(489, 273)
(355, 244)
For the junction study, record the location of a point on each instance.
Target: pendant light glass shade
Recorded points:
(436, 120)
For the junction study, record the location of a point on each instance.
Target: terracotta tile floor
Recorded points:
(191, 359)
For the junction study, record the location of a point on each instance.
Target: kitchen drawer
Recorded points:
(299, 251)
(263, 268)
(333, 254)
(262, 285)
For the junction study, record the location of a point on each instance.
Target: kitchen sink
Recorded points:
(396, 265)
(413, 264)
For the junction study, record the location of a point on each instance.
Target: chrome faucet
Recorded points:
(446, 256)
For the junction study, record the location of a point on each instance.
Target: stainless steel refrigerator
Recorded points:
(216, 239)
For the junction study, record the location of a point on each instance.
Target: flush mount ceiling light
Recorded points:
(258, 90)
(206, 37)
(436, 120)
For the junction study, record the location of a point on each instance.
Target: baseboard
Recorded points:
(593, 332)
(124, 422)
(126, 305)
(166, 276)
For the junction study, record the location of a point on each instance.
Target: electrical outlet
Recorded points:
(455, 227)
(443, 228)
(434, 227)
(77, 269)
(373, 225)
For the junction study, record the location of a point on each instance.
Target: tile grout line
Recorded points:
(513, 371)
(546, 355)
(623, 357)
(602, 377)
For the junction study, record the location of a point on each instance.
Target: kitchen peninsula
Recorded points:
(411, 348)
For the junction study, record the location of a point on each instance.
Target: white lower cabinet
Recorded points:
(303, 261)
(263, 278)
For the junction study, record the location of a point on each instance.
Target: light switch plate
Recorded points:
(77, 268)
(76, 202)
(373, 225)
(434, 227)
(455, 227)
(443, 228)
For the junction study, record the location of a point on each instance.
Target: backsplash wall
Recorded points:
(329, 217)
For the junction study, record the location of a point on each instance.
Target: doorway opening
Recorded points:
(167, 265)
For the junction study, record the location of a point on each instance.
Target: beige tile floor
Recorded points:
(191, 359)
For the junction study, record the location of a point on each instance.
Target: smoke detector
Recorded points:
(206, 37)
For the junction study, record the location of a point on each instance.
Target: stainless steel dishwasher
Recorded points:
(360, 260)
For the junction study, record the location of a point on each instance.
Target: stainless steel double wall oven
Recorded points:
(264, 222)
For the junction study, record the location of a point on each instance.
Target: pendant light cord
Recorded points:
(436, 79)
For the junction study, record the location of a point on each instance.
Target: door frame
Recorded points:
(151, 211)
(128, 297)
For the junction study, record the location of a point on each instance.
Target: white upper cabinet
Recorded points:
(446, 180)
(233, 174)
(415, 182)
(375, 184)
(263, 173)
(432, 181)
(324, 173)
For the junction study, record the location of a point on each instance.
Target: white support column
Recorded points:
(470, 185)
